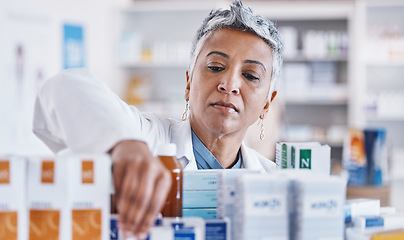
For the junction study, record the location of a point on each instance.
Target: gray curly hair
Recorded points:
(241, 18)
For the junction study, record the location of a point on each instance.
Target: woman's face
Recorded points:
(229, 86)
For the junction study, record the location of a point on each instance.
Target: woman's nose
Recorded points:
(230, 85)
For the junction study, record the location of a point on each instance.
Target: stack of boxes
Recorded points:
(366, 219)
(200, 194)
(62, 198)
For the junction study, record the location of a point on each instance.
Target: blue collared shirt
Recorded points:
(205, 159)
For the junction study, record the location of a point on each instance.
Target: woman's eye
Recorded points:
(250, 77)
(215, 68)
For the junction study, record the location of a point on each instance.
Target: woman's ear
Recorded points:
(188, 87)
(266, 106)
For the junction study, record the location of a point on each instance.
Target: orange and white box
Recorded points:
(69, 197)
(89, 189)
(47, 199)
(13, 215)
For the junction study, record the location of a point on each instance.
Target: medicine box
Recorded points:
(218, 229)
(200, 180)
(199, 199)
(361, 207)
(386, 222)
(261, 207)
(13, 214)
(283, 154)
(48, 208)
(89, 180)
(319, 202)
(205, 213)
(316, 158)
(226, 192)
(69, 198)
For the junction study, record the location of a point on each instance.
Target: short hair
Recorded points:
(241, 18)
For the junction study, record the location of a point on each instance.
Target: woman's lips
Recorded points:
(223, 105)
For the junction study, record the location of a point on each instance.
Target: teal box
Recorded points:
(199, 199)
(200, 180)
(205, 213)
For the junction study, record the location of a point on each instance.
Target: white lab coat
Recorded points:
(77, 111)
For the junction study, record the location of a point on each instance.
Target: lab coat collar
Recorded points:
(182, 137)
(250, 161)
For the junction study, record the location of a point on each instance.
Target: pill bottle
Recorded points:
(173, 205)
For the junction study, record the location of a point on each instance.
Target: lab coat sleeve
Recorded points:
(77, 111)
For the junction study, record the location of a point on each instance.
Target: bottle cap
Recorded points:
(167, 149)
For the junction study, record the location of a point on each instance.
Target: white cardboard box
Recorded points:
(13, 214)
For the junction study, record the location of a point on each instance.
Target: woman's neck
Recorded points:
(224, 147)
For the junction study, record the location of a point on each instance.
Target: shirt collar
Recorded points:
(205, 159)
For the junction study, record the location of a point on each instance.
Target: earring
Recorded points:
(262, 135)
(184, 115)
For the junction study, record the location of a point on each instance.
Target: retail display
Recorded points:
(365, 157)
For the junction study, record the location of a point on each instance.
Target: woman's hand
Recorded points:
(141, 186)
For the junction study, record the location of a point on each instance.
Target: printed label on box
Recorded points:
(8, 225)
(305, 159)
(48, 171)
(87, 171)
(266, 205)
(284, 156)
(4, 171)
(323, 206)
(44, 224)
(86, 224)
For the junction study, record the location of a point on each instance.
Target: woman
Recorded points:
(231, 80)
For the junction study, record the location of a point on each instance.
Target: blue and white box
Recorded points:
(205, 213)
(217, 229)
(385, 222)
(319, 204)
(261, 207)
(361, 207)
(199, 199)
(226, 191)
(194, 227)
(200, 180)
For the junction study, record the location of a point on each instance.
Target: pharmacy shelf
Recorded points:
(385, 118)
(314, 59)
(303, 10)
(398, 63)
(380, 68)
(153, 65)
(291, 101)
(170, 6)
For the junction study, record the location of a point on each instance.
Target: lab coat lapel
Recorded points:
(182, 137)
(250, 161)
